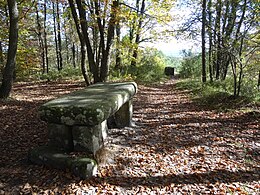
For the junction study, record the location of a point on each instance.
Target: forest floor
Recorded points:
(176, 147)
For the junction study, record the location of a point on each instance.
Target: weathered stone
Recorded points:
(89, 138)
(82, 167)
(60, 136)
(123, 117)
(169, 71)
(89, 106)
(78, 122)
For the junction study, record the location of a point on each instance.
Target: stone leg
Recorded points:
(81, 166)
(89, 138)
(60, 136)
(123, 117)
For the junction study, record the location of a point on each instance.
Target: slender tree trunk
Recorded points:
(68, 59)
(203, 32)
(240, 47)
(67, 46)
(82, 43)
(59, 35)
(234, 70)
(41, 44)
(227, 36)
(218, 33)
(55, 36)
(210, 40)
(73, 55)
(258, 83)
(1, 55)
(109, 39)
(9, 69)
(118, 65)
(138, 32)
(45, 37)
(91, 58)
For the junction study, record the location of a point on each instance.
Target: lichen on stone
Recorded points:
(67, 120)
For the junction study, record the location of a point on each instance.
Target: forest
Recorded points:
(196, 132)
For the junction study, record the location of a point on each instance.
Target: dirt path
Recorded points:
(175, 147)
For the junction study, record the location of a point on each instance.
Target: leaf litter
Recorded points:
(175, 147)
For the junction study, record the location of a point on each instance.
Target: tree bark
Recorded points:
(9, 69)
(55, 36)
(1, 55)
(82, 43)
(40, 39)
(84, 27)
(218, 38)
(138, 31)
(73, 55)
(210, 40)
(59, 36)
(203, 45)
(45, 37)
(118, 65)
(258, 83)
(110, 36)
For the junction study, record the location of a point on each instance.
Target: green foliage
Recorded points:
(68, 72)
(190, 66)
(218, 94)
(150, 66)
(192, 85)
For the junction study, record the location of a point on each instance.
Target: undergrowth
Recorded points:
(218, 95)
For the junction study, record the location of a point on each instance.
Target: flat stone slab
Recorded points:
(83, 167)
(89, 106)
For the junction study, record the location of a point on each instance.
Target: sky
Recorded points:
(174, 47)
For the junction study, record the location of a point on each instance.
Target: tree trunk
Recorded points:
(110, 36)
(73, 55)
(91, 58)
(258, 83)
(138, 31)
(82, 43)
(41, 45)
(59, 35)
(218, 41)
(210, 40)
(45, 37)
(55, 36)
(118, 65)
(67, 40)
(1, 55)
(234, 70)
(228, 31)
(203, 47)
(240, 46)
(9, 69)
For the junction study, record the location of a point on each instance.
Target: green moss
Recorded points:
(89, 106)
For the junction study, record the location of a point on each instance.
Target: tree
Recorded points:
(45, 37)
(40, 38)
(9, 69)
(203, 45)
(230, 30)
(97, 25)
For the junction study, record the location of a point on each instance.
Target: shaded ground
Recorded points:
(176, 146)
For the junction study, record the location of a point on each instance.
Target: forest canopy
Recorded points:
(102, 40)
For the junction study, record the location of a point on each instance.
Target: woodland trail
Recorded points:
(176, 147)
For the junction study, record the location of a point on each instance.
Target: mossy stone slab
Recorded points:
(82, 166)
(88, 106)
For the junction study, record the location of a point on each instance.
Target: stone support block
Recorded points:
(60, 136)
(89, 138)
(123, 117)
(82, 166)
